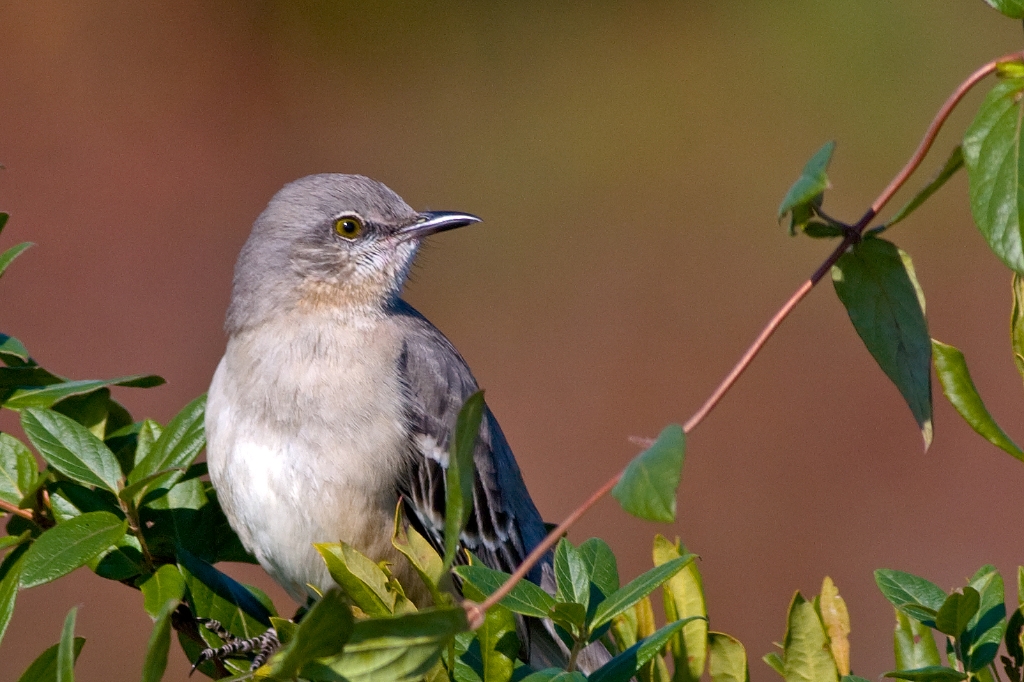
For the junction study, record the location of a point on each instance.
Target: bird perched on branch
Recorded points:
(335, 399)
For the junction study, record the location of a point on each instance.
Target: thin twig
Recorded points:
(748, 357)
(14, 509)
(475, 611)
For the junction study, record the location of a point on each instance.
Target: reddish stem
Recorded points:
(14, 509)
(475, 611)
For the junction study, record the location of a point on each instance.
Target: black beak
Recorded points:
(432, 222)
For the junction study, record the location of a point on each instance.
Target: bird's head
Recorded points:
(343, 242)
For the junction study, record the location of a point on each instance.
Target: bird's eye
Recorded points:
(348, 227)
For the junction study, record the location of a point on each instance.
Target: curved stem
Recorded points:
(932, 133)
(475, 611)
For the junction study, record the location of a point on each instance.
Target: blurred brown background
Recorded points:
(628, 162)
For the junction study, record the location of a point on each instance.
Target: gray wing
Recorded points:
(504, 524)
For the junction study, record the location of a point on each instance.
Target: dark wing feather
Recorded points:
(504, 524)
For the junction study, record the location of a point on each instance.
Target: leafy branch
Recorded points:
(803, 201)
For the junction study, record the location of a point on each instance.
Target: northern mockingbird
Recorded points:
(335, 398)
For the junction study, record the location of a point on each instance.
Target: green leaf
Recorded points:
(812, 181)
(13, 351)
(1020, 586)
(819, 230)
(1017, 323)
(496, 640)
(322, 632)
(648, 485)
(904, 590)
(525, 598)
(187, 516)
(8, 256)
(985, 630)
(71, 449)
(361, 579)
(959, 389)
(806, 656)
(3, 220)
(69, 545)
(570, 615)
(460, 473)
(66, 649)
(8, 541)
(121, 562)
(571, 577)
(212, 594)
(684, 598)
(69, 499)
(396, 648)
(876, 283)
(1014, 645)
(8, 594)
(1011, 8)
(46, 396)
(555, 675)
(138, 490)
(44, 668)
(178, 445)
(159, 646)
(914, 644)
(160, 587)
(775, 662)
(499, 644)
(957, 611)
(637, 589)
(627, 664)
(992, 154)
(954, 163)
(18, 469)
(91, 410)
(149, 434)
(933, 673)
(601, 565)
(421, 555)
(853, 678)
(285, 629)
(727, 659)
(29, 375)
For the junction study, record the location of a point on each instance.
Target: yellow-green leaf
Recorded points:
(806, 656)
(836, 619)
(361, 579)
(727, 659)
(683, 596)
(421, 555)
(959, 389)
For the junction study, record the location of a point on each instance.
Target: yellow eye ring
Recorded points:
(348, 226)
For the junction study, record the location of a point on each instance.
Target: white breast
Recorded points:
(305, 440)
